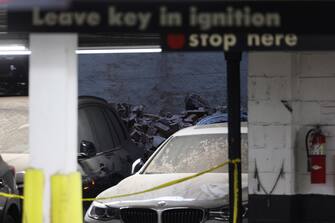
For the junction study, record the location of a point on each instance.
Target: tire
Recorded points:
(10, 219)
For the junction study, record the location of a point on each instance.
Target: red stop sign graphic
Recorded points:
(176, 41)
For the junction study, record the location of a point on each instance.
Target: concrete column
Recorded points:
(53, 106)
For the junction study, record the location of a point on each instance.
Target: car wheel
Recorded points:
(10, 219)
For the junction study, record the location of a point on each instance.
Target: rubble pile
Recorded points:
(150, 130)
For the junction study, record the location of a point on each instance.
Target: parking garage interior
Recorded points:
(284, 98)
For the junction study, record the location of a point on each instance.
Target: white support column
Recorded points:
(53, 105)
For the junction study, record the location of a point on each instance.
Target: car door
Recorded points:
(94, 127)
(126, 152)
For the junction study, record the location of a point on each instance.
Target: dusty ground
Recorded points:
(13, 124)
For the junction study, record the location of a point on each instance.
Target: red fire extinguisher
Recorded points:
(315, 147)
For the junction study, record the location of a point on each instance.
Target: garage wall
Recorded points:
(315, 105)
(305, 82)
(271, 144)
(158, 81)
(290, 93)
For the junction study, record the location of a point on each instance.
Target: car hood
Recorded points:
(19, 160)
(209, 190)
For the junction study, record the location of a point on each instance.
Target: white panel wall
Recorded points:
(307, 82)
(315, 105)
(270, 130)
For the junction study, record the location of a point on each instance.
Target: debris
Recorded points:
(138, 110)
(150, 130)
(174, 127)
(190, 118)
(135, 135)
(199, 112)
(194, 101)
(157, 140)
(163, 130)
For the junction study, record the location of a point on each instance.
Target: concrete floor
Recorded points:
(14, 124)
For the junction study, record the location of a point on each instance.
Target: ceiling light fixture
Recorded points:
(104, 50)
(14, 50)
(22, 50)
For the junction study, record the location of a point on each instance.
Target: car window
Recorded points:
(195, 153)
(84, 128)
(117, 129)
(103, 132)
(116, 123)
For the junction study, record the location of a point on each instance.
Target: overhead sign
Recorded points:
(189, 25)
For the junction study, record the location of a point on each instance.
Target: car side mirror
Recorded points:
(19, 178)
(136, 166)
(87, 149)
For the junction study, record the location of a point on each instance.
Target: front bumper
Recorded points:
(90, 220)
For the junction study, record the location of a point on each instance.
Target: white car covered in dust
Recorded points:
(201, 199)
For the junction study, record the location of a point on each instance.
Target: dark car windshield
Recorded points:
(194, 153)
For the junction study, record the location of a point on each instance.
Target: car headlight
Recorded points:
(103, 212)
(223, 213)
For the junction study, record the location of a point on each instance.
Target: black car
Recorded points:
(9, 208)
(106, 152)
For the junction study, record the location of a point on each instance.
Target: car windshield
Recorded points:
(194, 153)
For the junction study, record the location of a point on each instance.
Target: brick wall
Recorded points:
(270, 130)
(315, 104)
(159, 81)
(306, 82)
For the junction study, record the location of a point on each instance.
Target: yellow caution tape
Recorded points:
(164, 185)
(66, 194)
(13, 196)
(33, 196)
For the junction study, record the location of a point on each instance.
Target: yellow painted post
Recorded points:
(66, 198)
(236, 190)
(33, 196)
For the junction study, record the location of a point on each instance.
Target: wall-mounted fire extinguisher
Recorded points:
(316, 157)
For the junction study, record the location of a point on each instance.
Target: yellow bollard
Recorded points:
(33, 196)
(66, 196)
